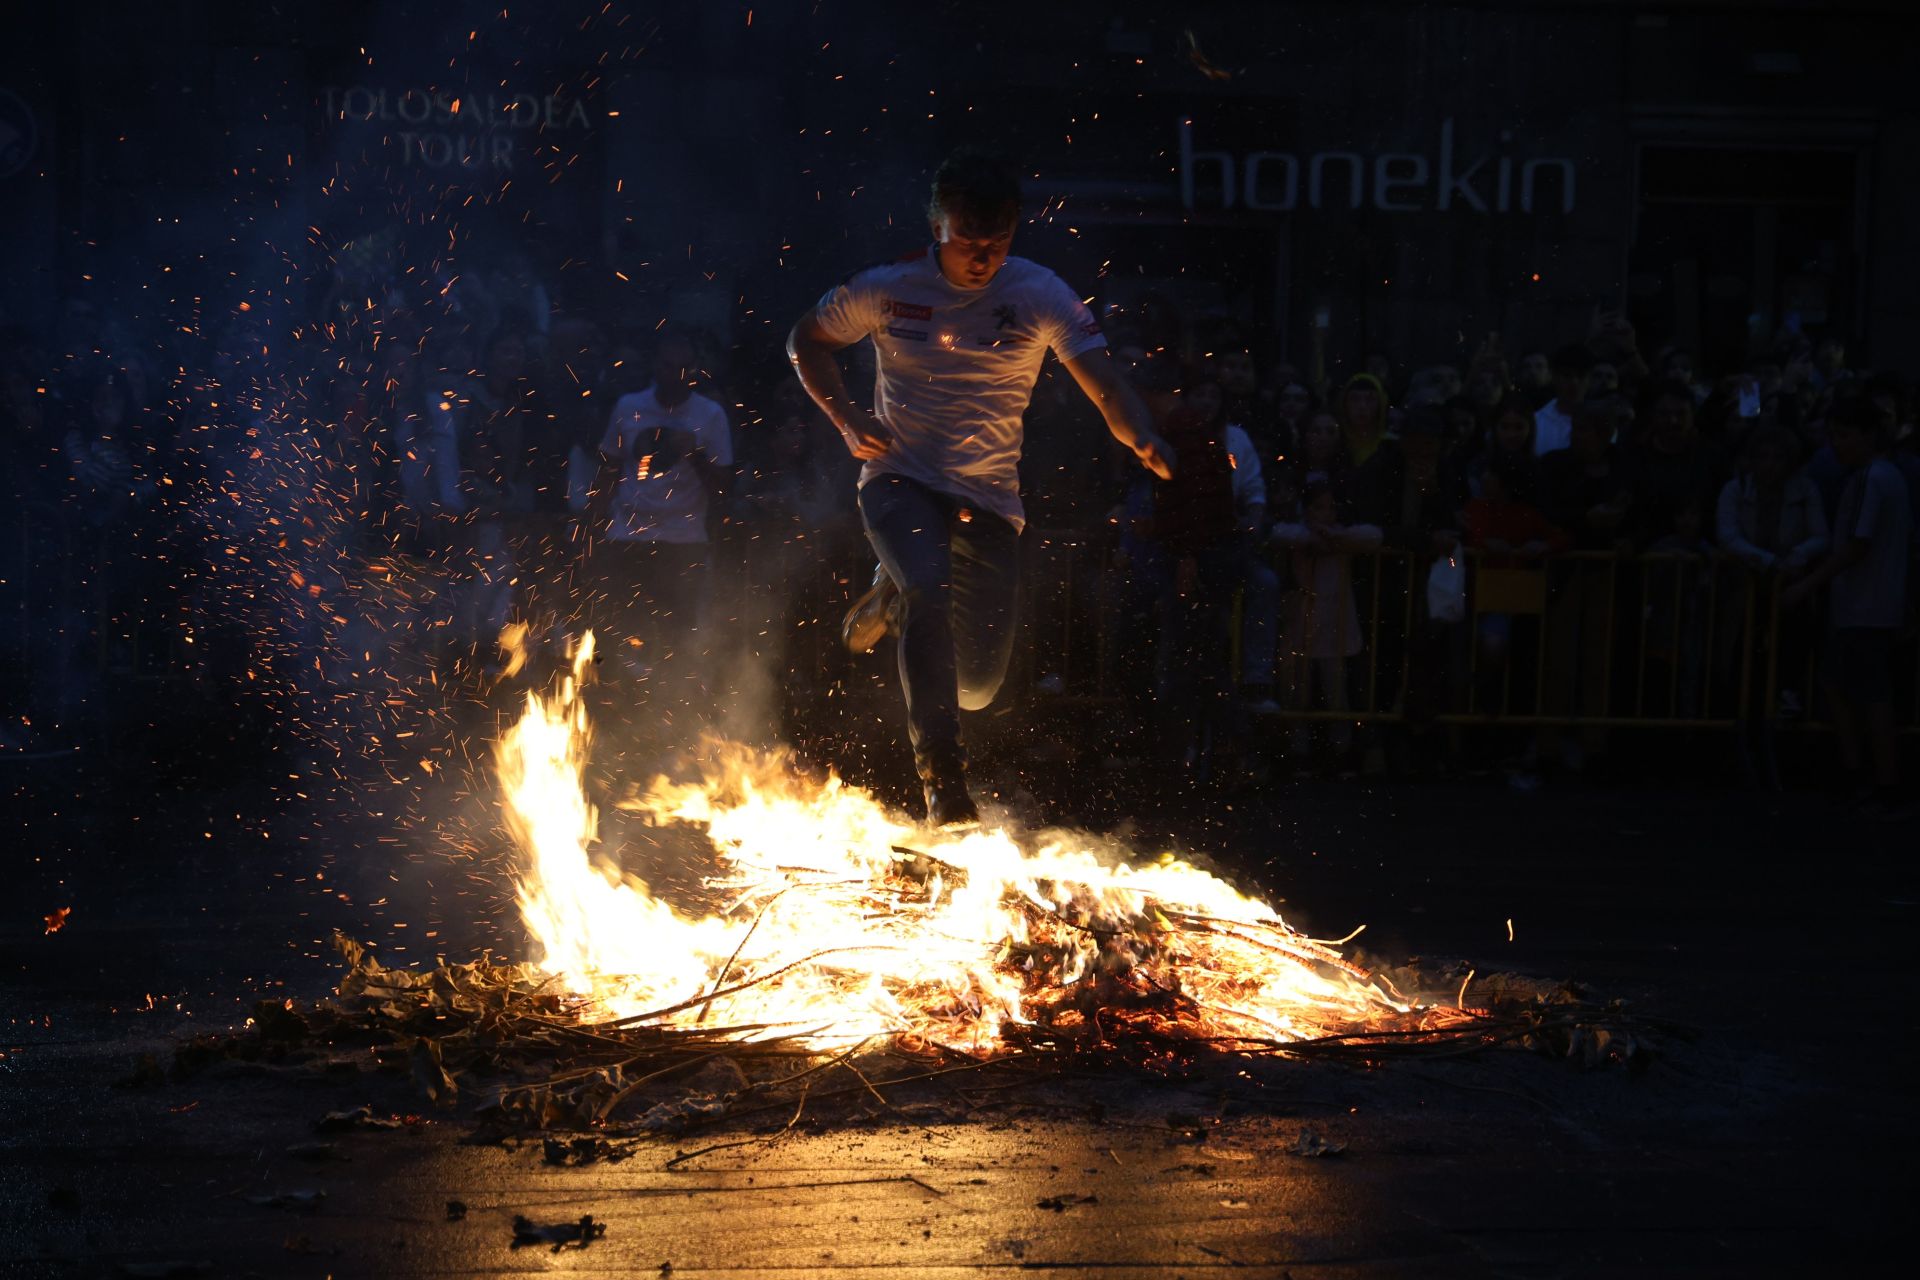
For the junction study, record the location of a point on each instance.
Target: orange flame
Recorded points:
(833, 920)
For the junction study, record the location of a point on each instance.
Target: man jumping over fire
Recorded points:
(959, 331)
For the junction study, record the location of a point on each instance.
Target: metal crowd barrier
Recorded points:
(1590, 639)
(1679, 652)
(1653, 640)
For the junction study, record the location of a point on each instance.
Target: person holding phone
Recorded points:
(1553, 421)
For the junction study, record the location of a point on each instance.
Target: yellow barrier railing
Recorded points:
(1584, 638)
(1575, 639)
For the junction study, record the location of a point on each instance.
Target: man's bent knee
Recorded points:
(978, 695)
(980, 681)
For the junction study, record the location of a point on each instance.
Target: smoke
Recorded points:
(299, 320)
(750, 712)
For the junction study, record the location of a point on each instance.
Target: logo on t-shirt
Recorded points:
(1005, 317)
(906, 310)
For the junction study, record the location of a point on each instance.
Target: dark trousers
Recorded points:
(1195, 649)
(958, 570)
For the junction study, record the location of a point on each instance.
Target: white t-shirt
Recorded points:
(1552, 429)
(955, 368)
(653, 504)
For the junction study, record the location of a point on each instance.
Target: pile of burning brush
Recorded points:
(834, 938)
(826, 918)
(529, 1058)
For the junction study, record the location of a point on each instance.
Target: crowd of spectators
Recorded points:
(1541, 550)
(1448, 566)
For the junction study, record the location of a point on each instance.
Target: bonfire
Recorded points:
(834, 921)
(833, 935)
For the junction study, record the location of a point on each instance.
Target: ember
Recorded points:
(833, 921)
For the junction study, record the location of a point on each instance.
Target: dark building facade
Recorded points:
(1423, 174)
(1419, 175)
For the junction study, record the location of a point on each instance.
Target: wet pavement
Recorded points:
(1775, 1138)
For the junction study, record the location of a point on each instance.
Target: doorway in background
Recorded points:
(1734, 244)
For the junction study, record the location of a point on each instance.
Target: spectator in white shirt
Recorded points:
(666, 455)
(1771, 518)
(1872, 540)
(1553, 421)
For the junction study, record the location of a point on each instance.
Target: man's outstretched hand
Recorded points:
(1156, 455)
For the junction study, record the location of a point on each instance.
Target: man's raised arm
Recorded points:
(1126, 413)
(810, 349)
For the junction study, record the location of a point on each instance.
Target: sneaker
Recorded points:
(872, 615)
(948, 804)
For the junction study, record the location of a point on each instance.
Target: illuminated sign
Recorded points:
(1487, 181)
(442, 128)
